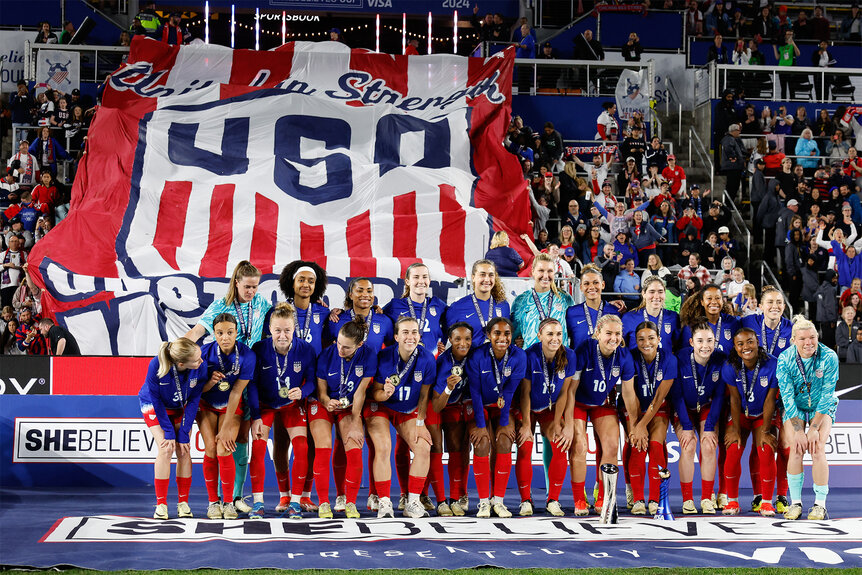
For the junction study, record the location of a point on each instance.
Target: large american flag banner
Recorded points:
(201, 156)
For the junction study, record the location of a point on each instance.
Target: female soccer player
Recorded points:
(169, 402)
(581, 319)
(647, 414)
(773, 334)
(450, 394)
(551, 369)
(344, 371)
(232, 366)
(807, 374)
(250, 309)
(698, 399)
(303, 284)
(359, 302)
(399, 395)
(750, 375)
(652, 309)
(494, 372)
(709, 302)
(416, 303)
(284, 377)
(603, 362)
(487, 301)
(542, 301)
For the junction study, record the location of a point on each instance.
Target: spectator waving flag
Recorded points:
(202, 156)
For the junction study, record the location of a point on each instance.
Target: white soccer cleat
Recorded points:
(415, 510)
(707, 507)
(229, 511)
(553, 507)
(484, 510)
(183, 510)
(373, 503)
(340, 503)
(214, 510)
(526, 508)
(385, 508)
(688, 507)
(161, 512)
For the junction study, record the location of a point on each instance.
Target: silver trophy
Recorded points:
(609, 512)
(663, 512)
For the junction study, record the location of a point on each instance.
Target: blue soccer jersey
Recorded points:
(379, 329)
(238, 365)
(429, 315)
(667, 322)
(420, 369)
(774, 341)
(175, 390)
(546, 379)
(649, 375)
(490, 379)
(581, 321)
(276, 374)
(465, 309)
(753, 384)
(445, 363)
(724, 329)
(599, 375)
(697, 386)
(343, 376)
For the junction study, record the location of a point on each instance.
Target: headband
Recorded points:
(305, 269)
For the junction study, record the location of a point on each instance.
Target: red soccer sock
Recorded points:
(227, 472)
(465, 470)
(657, 458)
(482, 474)
(767, 471)
(383, 488)
(781, 471)
(309, 477)
(556, 472)
(627, 455)
(283, 480)
(339, 464)
(502, 470)
(637, 470)
(300, 464)
(257, 466)
(722, 461)
(687, 490)
(578, 491)
(353, 475)
(161, 486)
(372, 483)
(707, 486)
(754, 469)
(455, 469)
(524, 470)
(321, 473)
(415, 484)
(211, 477)
(732, 469)
(184, 485)
(435, 476)
(402, 464)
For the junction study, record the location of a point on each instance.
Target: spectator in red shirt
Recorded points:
(674, 174)
(28, 336)
(45, 194)
(412, 48)
(689, 217)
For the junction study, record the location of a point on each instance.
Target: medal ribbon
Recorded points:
(497, 377)
(538, 302)
(245, 330)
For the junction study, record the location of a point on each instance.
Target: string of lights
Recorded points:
(325, 34)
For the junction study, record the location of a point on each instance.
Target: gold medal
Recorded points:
(283, 391)
(457, 370)
(395, 379)
(344, 402)
(223, 385)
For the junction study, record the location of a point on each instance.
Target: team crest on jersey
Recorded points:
(376, 328)
(667, 328)
(764, 381)
(819, 373)
(615, 371)
(193, 383)
(469, 409)
(658, 375)
(373, 406)
(558, 306)
(561, 374)
(316, 318)
(507, 371)
(313, 409)
(417, 375)
(727, 334)
(360, 370)
(782, 341)
(297, 366)
(432, 311)
(498, 311)
(715, 375)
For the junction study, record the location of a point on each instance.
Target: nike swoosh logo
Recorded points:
(848, 390)
(471, 315)
(537, 372)
(489, 371)
(582, 321)
(331, 374)
(267, 367)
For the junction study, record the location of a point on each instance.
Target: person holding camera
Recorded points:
(632, 49)
(786, 52)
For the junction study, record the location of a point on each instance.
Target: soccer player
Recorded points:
(487, 301)
(698, 399)
(773, 334)
(647, 414)
(405, 373)
(652, 309)
(416, 303)
(750, 375)
(581, 319)
(603, 363)
(284, 377)
(494, 372)
(250, 309)
(220, 416)
(551, 369)
(344, 371)
(807, 374)
(169, 401)
(709, 303)
(359, 302)
(542, 301)
(450, 394)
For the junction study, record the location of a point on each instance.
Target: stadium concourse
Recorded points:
(542, 168)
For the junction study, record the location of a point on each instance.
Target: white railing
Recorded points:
(95, 61)
(582, 77)
(696, 144)
(738, 222)
(802, 80)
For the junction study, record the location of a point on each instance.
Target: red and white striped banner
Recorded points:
(202, 156)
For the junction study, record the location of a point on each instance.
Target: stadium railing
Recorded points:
(96, 62)
(33, 130)
(696, 144)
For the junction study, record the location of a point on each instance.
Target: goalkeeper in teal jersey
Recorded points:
(541, 301)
